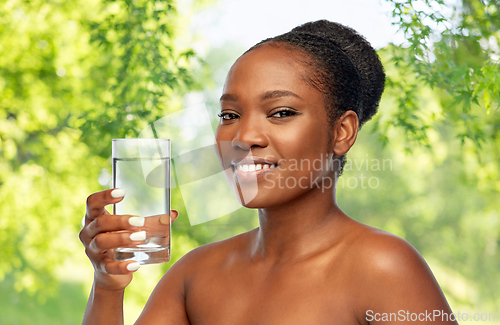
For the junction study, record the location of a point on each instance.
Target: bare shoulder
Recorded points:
(167, 303)
(393, 276)
(384, 257)
(214, 254)
(207, 258)
(384, 253)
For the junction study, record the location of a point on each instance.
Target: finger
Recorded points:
(112, 222)
(97, 201)
(155, 228)
(110, 240)
(110, 266)
(86, 220)
(165, 219)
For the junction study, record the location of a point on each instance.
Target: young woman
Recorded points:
(291, 109)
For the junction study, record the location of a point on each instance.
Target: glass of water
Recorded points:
(142, 168)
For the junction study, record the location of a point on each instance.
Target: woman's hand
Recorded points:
(103, 232)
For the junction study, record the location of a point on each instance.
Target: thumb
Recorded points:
(166, 219)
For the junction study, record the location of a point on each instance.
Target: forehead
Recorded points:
(267, 68)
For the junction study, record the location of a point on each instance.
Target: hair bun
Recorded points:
(361, 54)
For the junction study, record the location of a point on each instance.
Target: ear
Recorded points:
(345, 132)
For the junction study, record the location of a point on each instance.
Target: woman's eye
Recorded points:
(227, 116)
(284, 113)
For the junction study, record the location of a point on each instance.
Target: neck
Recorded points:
(298, 229)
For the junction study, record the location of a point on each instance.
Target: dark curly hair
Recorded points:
(342, 65)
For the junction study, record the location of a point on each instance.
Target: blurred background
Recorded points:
(75, 74)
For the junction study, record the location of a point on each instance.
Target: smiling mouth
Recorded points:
(254, 167)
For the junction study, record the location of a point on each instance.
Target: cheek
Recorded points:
(223, 135)
(222, 147)
(218, 133)
(309, 139)
(305, 150)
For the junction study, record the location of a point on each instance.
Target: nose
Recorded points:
(250, 134)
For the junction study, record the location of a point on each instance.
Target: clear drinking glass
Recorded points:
(142, 168)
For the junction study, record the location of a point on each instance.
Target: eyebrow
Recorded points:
(278, 94)
(228, 98)
(267, 95)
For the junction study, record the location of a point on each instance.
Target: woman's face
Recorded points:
(273, 134)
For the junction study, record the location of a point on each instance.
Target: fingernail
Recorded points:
(133, 266)
(137, 236)
(119, 192)
(136, 221)
(165, 219)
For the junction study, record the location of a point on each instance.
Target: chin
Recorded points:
(256, 204)
(266, 199)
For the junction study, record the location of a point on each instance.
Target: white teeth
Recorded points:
(252, 168)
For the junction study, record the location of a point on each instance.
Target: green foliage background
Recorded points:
(75, 74)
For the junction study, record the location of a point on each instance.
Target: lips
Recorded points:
(252, 168)
(253, 160)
